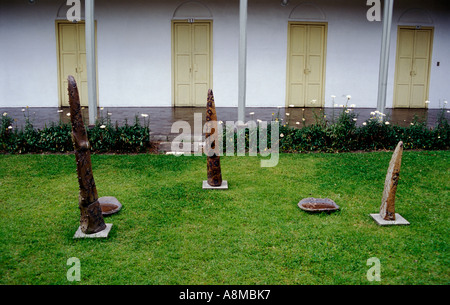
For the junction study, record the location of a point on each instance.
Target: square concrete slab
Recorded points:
(399, 220)
(224, 186)
(101, 234)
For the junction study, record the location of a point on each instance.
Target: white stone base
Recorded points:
(224, 186)
(399, 220)
(102, 234)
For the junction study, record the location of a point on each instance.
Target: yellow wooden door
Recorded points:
(306, 65)
(72, 60)
(191, 63)
(412, 67)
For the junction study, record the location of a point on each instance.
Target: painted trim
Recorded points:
(319, 16)
(179, 15)
(425, 17)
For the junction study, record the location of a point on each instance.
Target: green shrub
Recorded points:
(374, 134)
(341, 135)
(58, 137)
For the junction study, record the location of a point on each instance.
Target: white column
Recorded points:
(90, 61)
(242, 59)
(384, 56)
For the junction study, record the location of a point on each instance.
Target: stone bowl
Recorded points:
(318, 205)
(109, 205)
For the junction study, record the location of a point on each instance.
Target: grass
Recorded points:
(170, 231)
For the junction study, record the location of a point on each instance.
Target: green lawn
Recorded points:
(170, 231)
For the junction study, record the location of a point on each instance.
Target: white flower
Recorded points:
(412, 124)
(445, 102)
(355, 119)
(287, 113)
(5, 114)
(252, 113)
(364, 123)
(23, 109)
(427, 102)
(68, 114)
(341, 105)
(220, 122)
(448, 111)
(101, 108)
(102, 126)
(109, 113)
(291, 105)
(144, 115)
(298, 123)
(347, 111)
(439, 137)
(281, 135)
(387, 123)
(10, 127)
(259, 121)
(303, 119)
(59, 111)
(349, 97)
(352, 106)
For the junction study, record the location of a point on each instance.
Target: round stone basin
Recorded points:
(109, 205)
(318, 205)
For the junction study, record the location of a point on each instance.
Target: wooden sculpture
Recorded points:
(211, 149)
(387, 209)
(91, 219)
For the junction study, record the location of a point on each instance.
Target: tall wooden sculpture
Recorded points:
(91, 219)
(387, 215)
(387, 209)
(211, 147)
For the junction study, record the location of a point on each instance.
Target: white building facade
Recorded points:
(168, 53)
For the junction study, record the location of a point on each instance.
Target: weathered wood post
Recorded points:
(387, 215)
(91, 219)
(211, 149)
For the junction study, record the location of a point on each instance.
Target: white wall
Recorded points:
(353, 54)
(28, 67)
(439, 76)
(134, 52)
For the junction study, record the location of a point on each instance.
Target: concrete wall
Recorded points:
(28, 66)
(134, 51)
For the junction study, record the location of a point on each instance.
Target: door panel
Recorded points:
(72, 60)
(412, 67)
(306, 65)
(192, 63)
